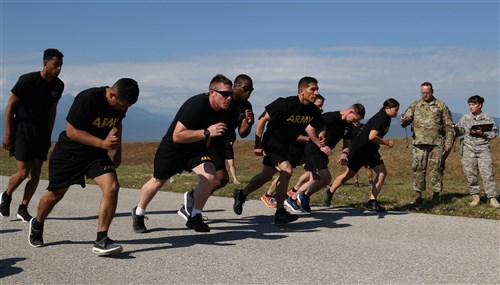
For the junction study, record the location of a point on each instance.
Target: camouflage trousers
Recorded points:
(427, 157)
(479, 160)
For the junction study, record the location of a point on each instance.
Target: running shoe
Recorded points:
(22, 213)
(182, 213)
(292, 204)
(106, 246)
(374, 206)
(269, 201)
(283, 217)
(138, 222)
(189, 202)
(327, 197)
(5, 204)
(197, 224)
(239, 201)
(35, 236)
(304, 202)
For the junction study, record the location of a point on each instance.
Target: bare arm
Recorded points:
(184, 135)
(84, 137)
(374, 137)
(246, 124)
(9, 116)
(259, 130)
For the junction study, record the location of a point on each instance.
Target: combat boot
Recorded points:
(475, 200)
(494, 203)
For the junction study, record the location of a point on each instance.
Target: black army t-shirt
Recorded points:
(289, 117)
(379, 122)
(37, 95)
(196, 114)
(336, 128)
(90, 112)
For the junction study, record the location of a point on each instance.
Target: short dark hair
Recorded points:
(359, 109)
(475, 99)
(49, 53)
(219, 78)
(319, 97)
(127, 89)
(428, 84)
(305, 81)
(240, 79)
(390, 103)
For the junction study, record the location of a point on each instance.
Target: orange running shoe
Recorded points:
(269, 201)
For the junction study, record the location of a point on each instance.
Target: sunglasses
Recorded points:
(246, 88)
(224, 94)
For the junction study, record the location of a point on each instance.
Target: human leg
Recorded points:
(46, 204)
(232, 170)
(255, 183)
(22, 172)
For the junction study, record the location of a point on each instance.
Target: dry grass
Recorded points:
(137, 168)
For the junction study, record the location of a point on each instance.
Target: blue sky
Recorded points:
(360, 51)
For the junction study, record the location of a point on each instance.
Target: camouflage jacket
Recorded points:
(474, 141)
(431, 122)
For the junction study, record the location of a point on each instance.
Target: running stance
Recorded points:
(29, 120)
(364, 151)
(338, 126)
(240, 116)
(94, 126)
(286, 118)
(184, 148)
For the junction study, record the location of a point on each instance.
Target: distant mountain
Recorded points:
(140, 125)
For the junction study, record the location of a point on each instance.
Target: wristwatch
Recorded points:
(206, 133)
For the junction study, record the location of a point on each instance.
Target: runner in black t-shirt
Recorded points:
(296, 158)
(29, 120)
(94, 126)
(238, 116)
(338, 126)
(286, 118)
(364, 151)
(355, 132)
(184, 148)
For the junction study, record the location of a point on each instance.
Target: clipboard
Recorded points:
(483, 127)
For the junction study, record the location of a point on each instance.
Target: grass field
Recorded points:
(397, 193)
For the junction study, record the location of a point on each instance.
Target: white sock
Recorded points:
(194, 212)
(140, 211)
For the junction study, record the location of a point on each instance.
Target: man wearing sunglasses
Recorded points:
(240, 116)
(286, 118)
(184, 148)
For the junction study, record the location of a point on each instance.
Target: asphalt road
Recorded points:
(328, 246)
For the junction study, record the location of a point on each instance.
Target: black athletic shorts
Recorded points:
(316, 160)
(363, 157)
(296, 154)
(29, 142)
(218, 155)
(275, 155)
(66, 169)
(170, 160)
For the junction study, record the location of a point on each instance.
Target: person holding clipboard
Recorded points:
(478, 129)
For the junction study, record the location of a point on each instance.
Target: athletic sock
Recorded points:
(140, 211)
(101, 235)
(194, 212)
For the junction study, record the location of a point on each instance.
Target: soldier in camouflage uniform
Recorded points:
(476, 155)
(432, 141)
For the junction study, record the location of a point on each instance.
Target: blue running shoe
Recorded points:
(304, 202)
(292, 204)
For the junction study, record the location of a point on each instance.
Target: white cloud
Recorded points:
(346, 75)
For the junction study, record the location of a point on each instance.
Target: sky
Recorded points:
(360, 51)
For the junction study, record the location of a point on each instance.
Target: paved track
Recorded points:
(336, 245)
